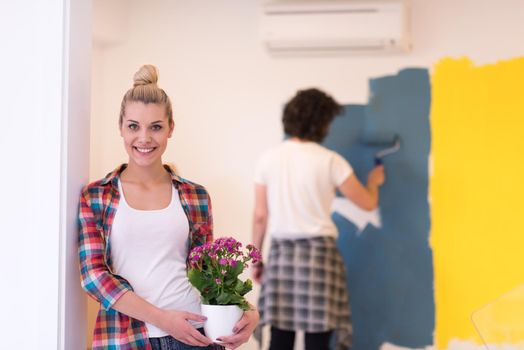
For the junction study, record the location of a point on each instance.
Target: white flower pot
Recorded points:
(221, 320)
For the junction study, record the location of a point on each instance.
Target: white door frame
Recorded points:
(74, 168)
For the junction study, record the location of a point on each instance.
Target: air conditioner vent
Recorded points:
(344, 25)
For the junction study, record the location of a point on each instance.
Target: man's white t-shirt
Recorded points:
(149, 249)
(301, 180)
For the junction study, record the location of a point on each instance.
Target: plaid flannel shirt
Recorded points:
(98, 204)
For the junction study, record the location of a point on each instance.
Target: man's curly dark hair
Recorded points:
(309, 113)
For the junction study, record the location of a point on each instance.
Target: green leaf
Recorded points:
(237, 270)
(224, 299)
(239, 286)
(236, 299)
(244, 305)
(206, 300)
(246, 287)
(229, 282)
(197, 279)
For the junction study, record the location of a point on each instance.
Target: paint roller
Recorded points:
(389, 144)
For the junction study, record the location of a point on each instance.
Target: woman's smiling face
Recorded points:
(145, 129)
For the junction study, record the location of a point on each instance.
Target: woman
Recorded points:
(295, 183)
(137, 227)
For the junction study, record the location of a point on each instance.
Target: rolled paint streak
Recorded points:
(389, 269)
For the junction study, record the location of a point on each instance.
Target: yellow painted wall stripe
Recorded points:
(476, 189)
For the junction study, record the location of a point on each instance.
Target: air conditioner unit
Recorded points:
(336, 25)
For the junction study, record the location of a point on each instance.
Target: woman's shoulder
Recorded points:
(189, 185)
(95, 190)
(275, 151)
(94, 185)
(102, 184)
(324, 151)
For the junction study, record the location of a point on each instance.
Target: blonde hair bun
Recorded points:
(146, 90)
(147, 74)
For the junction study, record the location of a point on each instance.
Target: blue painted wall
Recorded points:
(389, 269)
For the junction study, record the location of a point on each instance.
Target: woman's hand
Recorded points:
(258, 271)
(243, 330)
(176, 323)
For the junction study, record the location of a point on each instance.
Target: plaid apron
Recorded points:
(304, 288)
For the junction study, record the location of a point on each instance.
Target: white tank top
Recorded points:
(149, 249)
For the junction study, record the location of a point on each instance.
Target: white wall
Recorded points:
(40, 175)
(32, 113)
(227, 91)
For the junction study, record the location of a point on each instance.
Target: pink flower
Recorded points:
(195, 257)
(255, 255)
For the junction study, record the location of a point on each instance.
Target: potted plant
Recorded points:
(214, 270)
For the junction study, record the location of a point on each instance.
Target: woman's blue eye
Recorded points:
(132, 126)
(156, 127)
